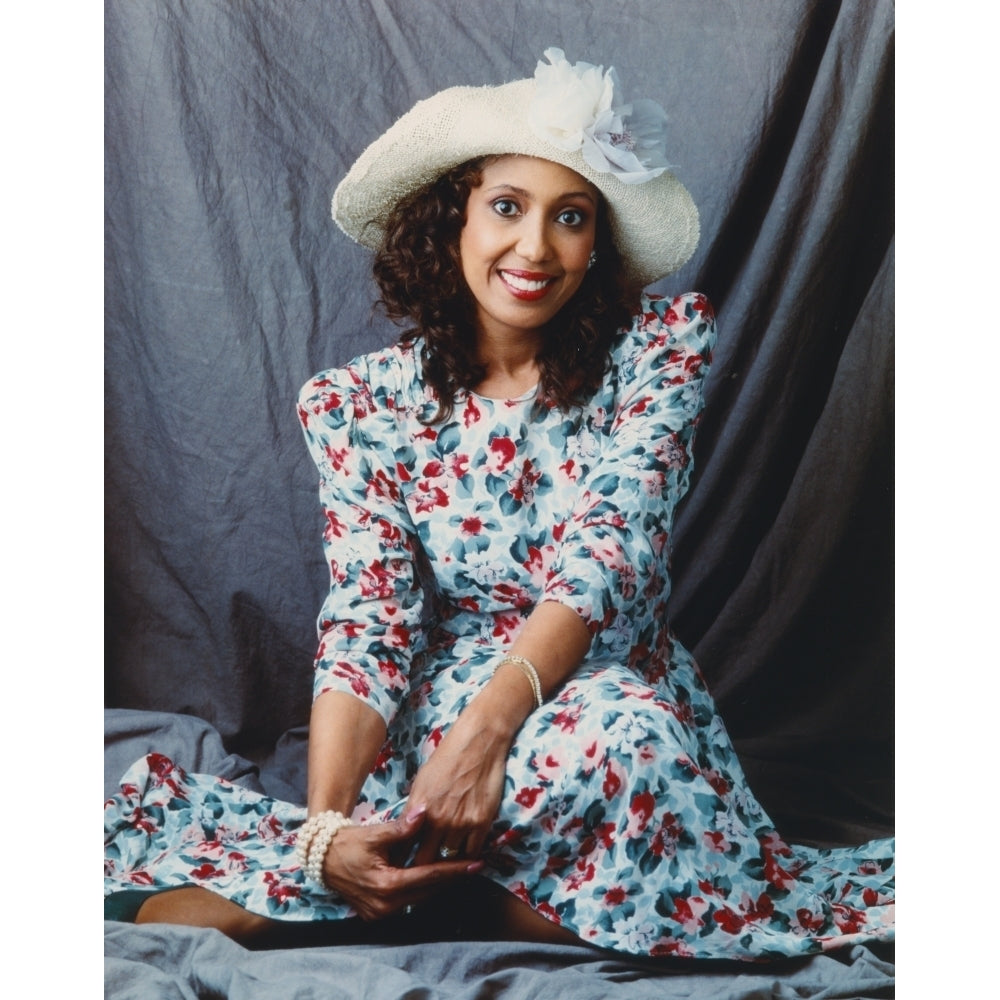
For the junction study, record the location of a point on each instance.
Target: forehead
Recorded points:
(532, 174)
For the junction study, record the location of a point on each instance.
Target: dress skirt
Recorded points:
(626, 819)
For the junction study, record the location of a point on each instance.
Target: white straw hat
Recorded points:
(566, 116)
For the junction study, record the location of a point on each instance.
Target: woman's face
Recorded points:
(528, 233)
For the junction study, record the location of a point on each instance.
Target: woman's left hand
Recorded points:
(460, 787)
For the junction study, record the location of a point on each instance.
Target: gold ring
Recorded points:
(444, 853)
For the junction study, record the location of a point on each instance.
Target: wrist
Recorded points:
(527, 668)
(322, 798)
(313, 842)
(505, 702)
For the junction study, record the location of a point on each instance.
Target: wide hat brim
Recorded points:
(654, 224)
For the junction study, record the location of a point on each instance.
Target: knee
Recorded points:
(610, 710)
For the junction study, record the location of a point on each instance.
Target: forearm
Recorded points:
(345, 736)
(554, 640)
(461, 785)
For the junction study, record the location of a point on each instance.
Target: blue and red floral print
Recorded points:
(626, 816)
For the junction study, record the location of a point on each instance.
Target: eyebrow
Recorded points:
(527, 194)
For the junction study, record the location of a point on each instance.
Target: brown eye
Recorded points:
(505, 207)
(571, 217)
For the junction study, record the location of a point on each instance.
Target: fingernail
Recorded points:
(476, 866)
(415, 814)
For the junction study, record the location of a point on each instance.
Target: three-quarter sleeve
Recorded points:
(367, 622)
(615, 546)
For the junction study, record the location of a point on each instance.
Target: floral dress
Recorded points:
(626, 817)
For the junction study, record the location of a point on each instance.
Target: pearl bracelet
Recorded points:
(314, 839)
(528, 669)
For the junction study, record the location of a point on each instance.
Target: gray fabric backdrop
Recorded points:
(228, 124)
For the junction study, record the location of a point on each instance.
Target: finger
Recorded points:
(475, 843)
(383, 888)
(423, 879)
(427, 853)
(423, 892)
(391, 889)
(431, 838)
(395, 888)
(443, 845)
(400, 830)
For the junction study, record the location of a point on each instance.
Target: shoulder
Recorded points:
(381, 382)
(687, 319)
(678, 333)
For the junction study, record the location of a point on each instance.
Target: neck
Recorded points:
(511, 368)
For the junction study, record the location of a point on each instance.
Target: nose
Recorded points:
(533, 240)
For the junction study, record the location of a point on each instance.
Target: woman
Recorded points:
(498, 699)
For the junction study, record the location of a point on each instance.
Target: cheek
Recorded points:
(466, 254)
(577, 259)
(576, 255)
(472, 245)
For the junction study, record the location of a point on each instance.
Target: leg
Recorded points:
(197, 907)
(193, 906)
(482, 910)
(519, 922)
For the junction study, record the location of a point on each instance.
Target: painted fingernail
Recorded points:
(476, 866)
(415, 814)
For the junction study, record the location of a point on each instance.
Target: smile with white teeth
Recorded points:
(525, 284)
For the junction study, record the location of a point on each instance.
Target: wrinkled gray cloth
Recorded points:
(228, 126)
(130, 734)
(156, 962)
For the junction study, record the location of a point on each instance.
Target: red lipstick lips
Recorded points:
(528, 286)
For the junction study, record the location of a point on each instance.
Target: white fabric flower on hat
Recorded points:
(575, 108)
(568, 99)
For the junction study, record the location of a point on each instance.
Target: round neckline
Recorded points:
(523, 398)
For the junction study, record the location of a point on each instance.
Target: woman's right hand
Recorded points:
(362, 866)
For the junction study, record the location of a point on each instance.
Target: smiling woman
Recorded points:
(502, 716)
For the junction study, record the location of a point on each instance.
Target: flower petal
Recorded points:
(575, 108)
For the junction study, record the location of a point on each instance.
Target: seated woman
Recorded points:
(502, 717)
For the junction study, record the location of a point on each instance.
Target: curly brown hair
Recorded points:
(419, 275)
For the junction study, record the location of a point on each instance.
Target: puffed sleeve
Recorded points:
(614, 551)
(368, 620)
